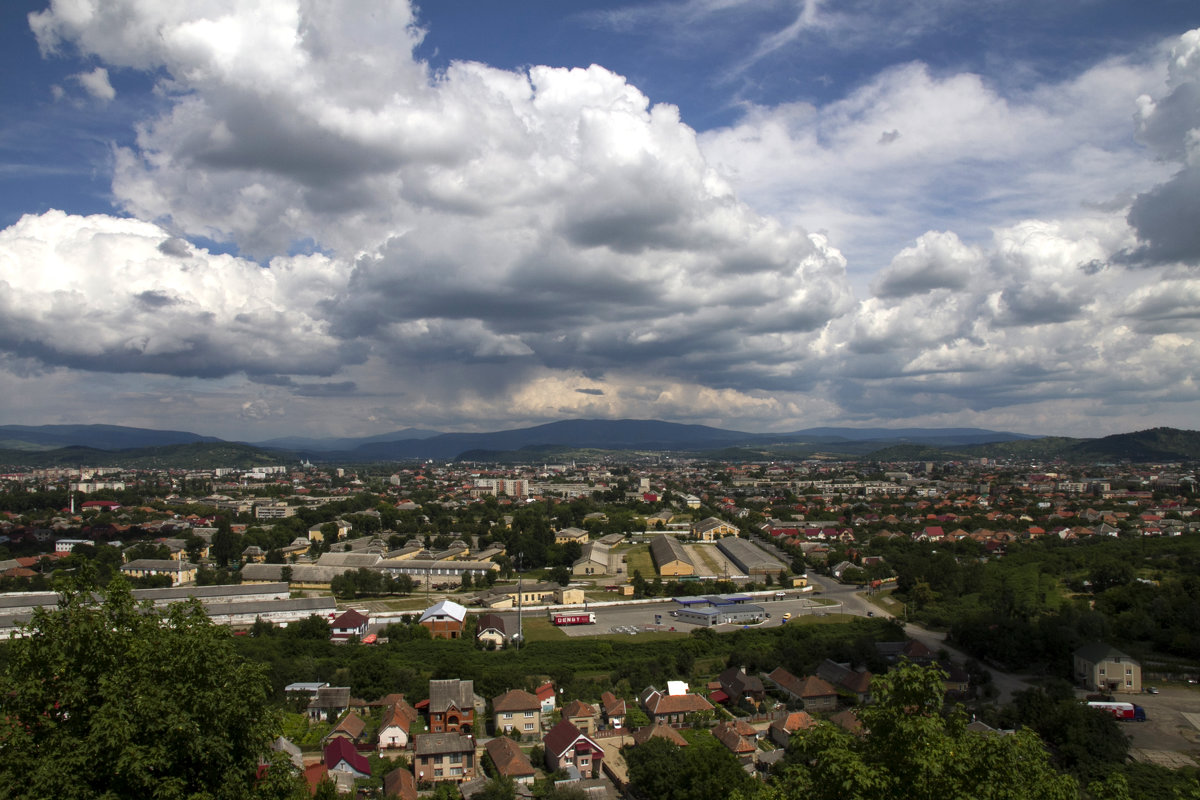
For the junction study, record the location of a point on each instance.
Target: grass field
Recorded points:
(638, 559)
(709, 564)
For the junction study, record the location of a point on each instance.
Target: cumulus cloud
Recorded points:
(98, 293)
(964, 156)
(496, 245)
(96, 84)
(936, 261)
(1167, 217)
(551, 217)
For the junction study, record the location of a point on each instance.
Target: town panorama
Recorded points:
(544, 629)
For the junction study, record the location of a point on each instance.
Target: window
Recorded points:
(528, 726)
(528, 715)
(456, 770)
(456, 758)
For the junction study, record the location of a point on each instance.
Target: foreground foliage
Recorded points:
(916, 749)
(114, 700)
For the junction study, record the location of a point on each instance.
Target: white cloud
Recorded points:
(911, 150)
(523, 245)
(99, 293)
(96, 84)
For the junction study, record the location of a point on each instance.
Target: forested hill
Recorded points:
(1155, 444)
(200, 455)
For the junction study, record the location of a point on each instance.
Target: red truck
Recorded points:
(1122, 711)
(588, 618)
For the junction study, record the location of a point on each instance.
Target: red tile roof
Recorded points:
(339, 750)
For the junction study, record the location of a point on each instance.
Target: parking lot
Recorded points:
(631, 619)
(1170, 736)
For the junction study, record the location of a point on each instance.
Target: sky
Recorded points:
(340, 218)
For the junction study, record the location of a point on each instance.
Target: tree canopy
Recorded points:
(914, 749)
(113, 699)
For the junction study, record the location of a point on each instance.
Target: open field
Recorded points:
(638, 558)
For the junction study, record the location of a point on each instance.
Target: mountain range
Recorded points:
(108, 444)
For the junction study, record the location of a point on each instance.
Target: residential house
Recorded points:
(738, 738)
(518, 712)
(818, 695)
(400, 783)
(444, 757)
(329, 703)
(510, 760)
(736, 685)
(1100, 667)
(660, 730)
(496, 630)
(582, 715)
(848, 720)
(348, 624)
(290, 749)
(672, 709)
(957, 681)
(565, 745)
(911, 649)
(444, 619)
(856, 682)
(782, 729)
(614, 710)
(314, 775)
(452, 706)
(350, 727)
(395, 726)
(340, 756)
(547, 696)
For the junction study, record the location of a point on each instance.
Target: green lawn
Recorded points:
(638, 558)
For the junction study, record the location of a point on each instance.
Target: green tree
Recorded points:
(226, 545)
(113, 700)
(916, 750)
(704, 770)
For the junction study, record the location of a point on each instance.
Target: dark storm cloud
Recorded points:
(1167, 221)
(175, 247)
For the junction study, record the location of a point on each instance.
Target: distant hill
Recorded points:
(101, 445)
(328, 445)
(927, 436)
(100, 437)
(1155, 444)
(654, 435)
(198, 455)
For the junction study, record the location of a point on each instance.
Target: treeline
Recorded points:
(584, 666)
(1042, 599)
